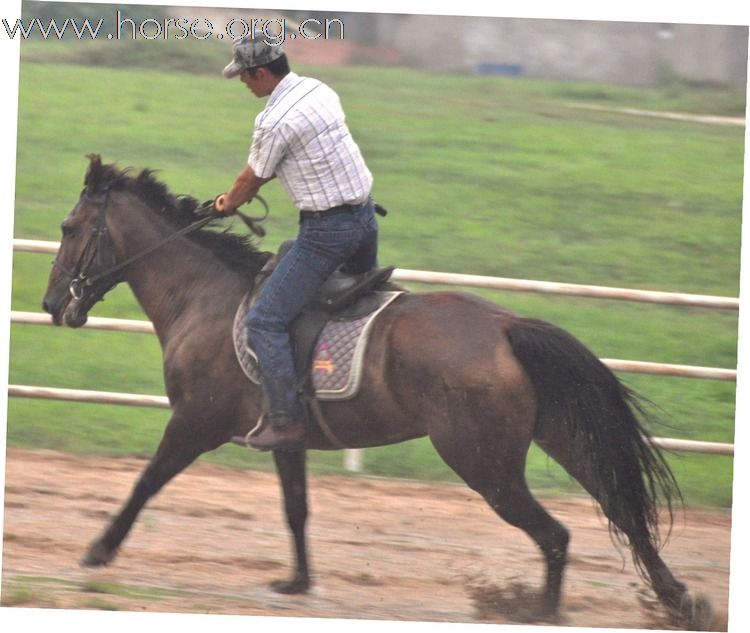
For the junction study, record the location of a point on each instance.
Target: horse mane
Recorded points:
(237, 252)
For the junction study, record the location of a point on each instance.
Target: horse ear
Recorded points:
(93, 174)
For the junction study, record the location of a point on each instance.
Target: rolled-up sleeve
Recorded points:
(266, 151)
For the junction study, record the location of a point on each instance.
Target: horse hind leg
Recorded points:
(515, 504)
(590, 423)
(695, 610)
(490, 456)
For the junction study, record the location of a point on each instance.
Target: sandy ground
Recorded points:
(215, 537)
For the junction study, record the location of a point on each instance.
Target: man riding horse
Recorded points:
(300, 136)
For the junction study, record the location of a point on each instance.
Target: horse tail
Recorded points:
(588, 421)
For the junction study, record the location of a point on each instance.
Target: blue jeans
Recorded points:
(324, 243)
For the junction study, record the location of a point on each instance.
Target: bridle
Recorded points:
(99, 242)
(92, 252)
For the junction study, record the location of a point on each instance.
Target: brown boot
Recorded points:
(274, 437)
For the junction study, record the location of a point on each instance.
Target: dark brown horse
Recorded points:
(480, 381)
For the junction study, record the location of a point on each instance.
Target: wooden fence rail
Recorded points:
(504, 283)
(632, 366)
(161, 402)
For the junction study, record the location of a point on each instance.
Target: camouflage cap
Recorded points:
(251, 52)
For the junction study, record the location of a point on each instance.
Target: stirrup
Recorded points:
(244, 440)
(256, 429)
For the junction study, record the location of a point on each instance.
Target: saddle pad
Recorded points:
(339, 350)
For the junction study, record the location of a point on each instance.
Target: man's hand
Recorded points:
(221, 204)
(243, 190)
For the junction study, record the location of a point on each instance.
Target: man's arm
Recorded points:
(243, 190)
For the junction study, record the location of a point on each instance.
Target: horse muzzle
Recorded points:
(56, 306)
(75, 315)
(67, 310)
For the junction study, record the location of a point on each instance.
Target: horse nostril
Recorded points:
(46, 307)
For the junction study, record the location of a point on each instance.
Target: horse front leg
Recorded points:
(178, 448)
(291, 466)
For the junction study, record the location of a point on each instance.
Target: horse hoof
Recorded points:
(547, 615)
(699, 613)
(98, 555)
(293, 586)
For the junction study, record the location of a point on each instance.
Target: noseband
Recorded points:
(99, 240)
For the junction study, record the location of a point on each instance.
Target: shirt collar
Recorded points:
(285, 84)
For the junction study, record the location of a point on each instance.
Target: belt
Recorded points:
(342, 208)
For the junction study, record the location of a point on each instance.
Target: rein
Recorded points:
(93, 248)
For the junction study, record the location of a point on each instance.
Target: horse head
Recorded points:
(79, 278)
(100, 240)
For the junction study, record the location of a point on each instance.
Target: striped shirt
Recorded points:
(301, 137)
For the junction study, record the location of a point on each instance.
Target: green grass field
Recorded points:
(483, 175)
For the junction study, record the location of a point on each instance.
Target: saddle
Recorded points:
(342, 297)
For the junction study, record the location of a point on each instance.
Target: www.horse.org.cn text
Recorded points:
(274, 31)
